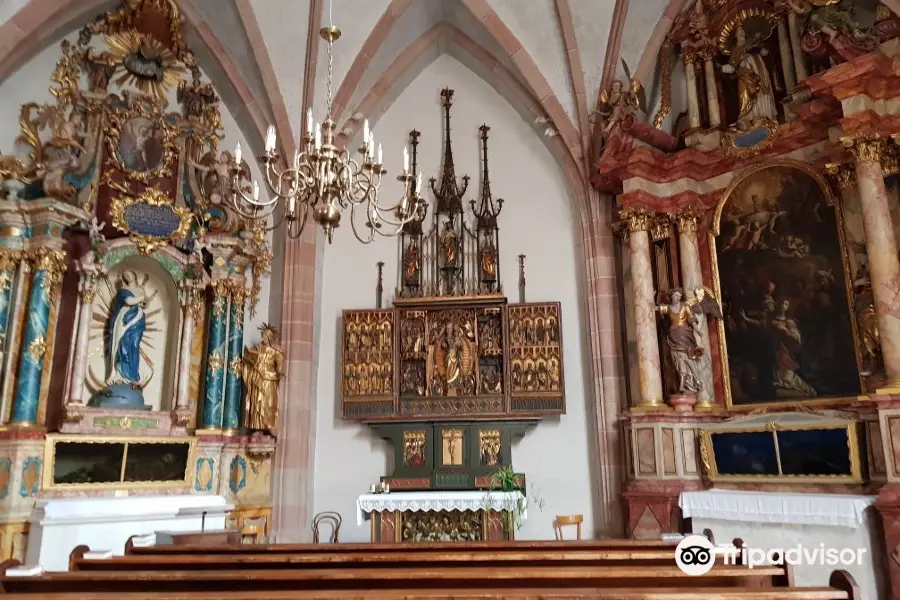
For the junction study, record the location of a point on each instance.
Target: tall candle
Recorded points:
(237, 155)
(255, 190)
(405, 160)
(379, 154)
(270, 138)
(309, 121)
(366, 131)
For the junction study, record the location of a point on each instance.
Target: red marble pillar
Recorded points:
(888, 506)
(638, 223)
(652, 507)
(881, 247)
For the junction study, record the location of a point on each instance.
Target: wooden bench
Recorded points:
(443, 576)
(131, 548)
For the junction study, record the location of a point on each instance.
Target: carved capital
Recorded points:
(867, 148)
(688, 57)
(842, 174)
(660, 227)
(688, 221)
(636, 219)
(704, 54)
(9, 259)
(51, 261)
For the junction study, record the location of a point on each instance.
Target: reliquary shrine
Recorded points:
(453, 372)
(126, 283)
(758, 243)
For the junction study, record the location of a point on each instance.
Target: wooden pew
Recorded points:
(131, 548)
(824, 593)
(364, 578)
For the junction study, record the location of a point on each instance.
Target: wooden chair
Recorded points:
(330, 518)
(567, 520)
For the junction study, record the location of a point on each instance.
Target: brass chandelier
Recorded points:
(326, 180)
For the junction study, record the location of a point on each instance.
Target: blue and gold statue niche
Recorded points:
(123, 335)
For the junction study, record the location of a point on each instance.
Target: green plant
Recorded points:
(513, 507)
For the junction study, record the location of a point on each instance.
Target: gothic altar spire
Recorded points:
(448, 193)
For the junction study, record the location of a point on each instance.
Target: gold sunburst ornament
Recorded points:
(145, 63)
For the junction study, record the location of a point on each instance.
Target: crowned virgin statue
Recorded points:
(755, 90)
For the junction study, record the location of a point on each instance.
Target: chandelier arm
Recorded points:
(369, 224)
(255, 213)
(296, 226)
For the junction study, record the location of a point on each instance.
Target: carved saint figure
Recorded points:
(454, 358)
(412, 264)
(100, 66)
(450, 245)
(216, 176)
(755, 91)
(125, 330)
(683, 337)
(488, 262)
(263, 370)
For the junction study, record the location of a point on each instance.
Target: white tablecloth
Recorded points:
(771, 507)
(437, 501)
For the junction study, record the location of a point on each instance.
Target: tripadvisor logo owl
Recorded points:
(695, 555)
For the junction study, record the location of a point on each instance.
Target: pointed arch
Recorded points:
(445, 38)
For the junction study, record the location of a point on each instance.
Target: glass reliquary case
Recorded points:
(105, 462)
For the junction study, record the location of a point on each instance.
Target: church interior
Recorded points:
(613, 262)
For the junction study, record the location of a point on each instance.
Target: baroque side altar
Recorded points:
(126, 286)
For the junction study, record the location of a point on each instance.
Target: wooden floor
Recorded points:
(605, 570)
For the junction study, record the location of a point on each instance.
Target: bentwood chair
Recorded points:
(567, 521)
(329, 518)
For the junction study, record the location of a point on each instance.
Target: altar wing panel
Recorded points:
(455, 360)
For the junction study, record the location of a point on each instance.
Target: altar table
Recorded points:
(441, 516)
(770, 520)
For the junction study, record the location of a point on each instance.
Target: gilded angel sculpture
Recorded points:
(684, 334)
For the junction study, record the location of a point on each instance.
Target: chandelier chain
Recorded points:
(329, 84)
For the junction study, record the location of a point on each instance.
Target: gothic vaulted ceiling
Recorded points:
(547, 57)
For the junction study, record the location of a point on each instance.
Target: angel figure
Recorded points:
(216, 180)
(685, 317)
(194, 98)
(616, 103)
(96, 238)
(101, 66)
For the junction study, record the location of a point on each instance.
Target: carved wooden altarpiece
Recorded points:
(452, 372)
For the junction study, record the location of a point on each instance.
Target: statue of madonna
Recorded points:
(125, 330)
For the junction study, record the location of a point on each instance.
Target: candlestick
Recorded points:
(237, 155)
(292, 204)
(255, 190)
(405, 160)
(270, 138)
(318, 137)
(379, 155)
(419, 182)
(309, 121)
(366, 131)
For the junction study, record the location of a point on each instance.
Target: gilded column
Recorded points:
(9, 265)
(191, 305)
(216, 356)
(692, 277)
(48, 269)
(799, 64)
(638, 223)
(712, 90)
(234, 385)
(787, 60)
(881, 248)
(690, 76)
(87, 289)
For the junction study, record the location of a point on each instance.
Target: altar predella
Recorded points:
(115, 236)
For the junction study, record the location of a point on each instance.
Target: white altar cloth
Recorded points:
(60, 524)
(770, 520)
(437, 501)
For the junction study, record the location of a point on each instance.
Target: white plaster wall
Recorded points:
(538, 220)
(31, 83)
(9, 8)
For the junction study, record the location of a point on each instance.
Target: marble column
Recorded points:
(191, 305)
(234, 385)
(12, 346)
(881, 248)
(690, 76)
(216, 356)
(87, 289)
(691, 278)
(638, 223)
(712, 91)
(787, 59)
(799, 63)
(9, 269)
(48, 269)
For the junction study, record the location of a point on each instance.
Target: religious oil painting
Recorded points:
(140, 145)
(745, 453)
(452, 447)
(779, 258)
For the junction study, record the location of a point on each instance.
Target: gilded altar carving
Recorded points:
(535, 352)
(452, 447)
(368, 347)
(263, 369)
(450, 366)
(414, 448)
(443, 526)
(489, 447)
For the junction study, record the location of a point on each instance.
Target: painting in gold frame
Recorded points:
(779, 264)
(792, 450)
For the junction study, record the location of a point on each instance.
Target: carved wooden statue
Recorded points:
(684, 318)
(263, 370)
